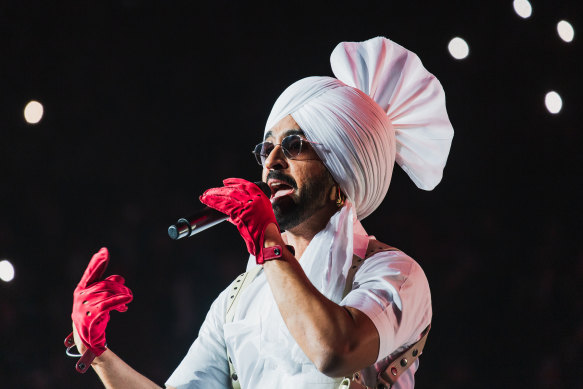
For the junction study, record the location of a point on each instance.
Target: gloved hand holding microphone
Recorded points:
(248, 208)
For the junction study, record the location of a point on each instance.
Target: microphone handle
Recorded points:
(200, 221)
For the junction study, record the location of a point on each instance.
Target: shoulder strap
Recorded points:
(374, 246)
(240, 283)
(234, 293)
(403, 361)
(400, 363)
(387, 378)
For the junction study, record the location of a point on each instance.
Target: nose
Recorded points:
(276, 160)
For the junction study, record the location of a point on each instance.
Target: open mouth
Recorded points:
(279, 189)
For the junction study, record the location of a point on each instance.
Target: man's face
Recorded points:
(300, 187)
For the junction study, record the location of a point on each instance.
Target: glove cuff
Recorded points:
(86, 358)
(269, 253)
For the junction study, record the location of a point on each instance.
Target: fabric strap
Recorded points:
(240, 282)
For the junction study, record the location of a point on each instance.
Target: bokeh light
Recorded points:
(458, 48)
(33, 112)
(522, 8)
(565, 30)
(553, 102)
(6, 270)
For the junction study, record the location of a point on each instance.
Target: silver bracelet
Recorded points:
(70, 354)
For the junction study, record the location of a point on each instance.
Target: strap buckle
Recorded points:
(269, 253)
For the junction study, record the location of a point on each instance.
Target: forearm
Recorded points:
(319, 326)
(115, 373)
(335, 340)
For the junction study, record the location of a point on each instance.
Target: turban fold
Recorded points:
(384, 106)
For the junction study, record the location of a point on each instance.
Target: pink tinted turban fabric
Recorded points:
(384, 106)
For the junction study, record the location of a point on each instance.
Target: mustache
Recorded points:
(277, 175)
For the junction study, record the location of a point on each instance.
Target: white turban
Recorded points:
(383, 106)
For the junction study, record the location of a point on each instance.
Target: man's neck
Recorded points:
(301, 235)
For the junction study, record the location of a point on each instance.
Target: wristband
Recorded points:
(86, 358)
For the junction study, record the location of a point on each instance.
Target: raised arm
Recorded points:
(339, 340)
(93, 299)
(115, 373)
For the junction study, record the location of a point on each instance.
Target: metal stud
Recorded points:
(415, 352)
(404, 362)
(234, 376)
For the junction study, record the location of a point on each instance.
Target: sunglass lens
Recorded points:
(266, 148)
(262, 151)
(293, 145)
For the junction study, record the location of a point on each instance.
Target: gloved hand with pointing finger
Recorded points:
(93, 299)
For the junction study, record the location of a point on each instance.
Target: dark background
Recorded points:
(148, 104)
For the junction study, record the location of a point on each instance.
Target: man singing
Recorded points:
(321, 299)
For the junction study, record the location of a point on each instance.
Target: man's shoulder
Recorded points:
(375, 246)
(380, 255)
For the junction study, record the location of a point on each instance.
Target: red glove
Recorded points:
(248, 208)
(92, 302)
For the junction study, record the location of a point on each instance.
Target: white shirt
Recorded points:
(390, 288)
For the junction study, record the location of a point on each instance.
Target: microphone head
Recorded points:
(264, 188)
(173, 232)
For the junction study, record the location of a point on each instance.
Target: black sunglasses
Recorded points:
(292, 146)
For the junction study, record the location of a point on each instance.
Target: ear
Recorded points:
(336, 194)
(333, 195)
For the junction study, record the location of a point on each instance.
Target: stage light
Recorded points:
(522, 8)
(33, 112)
(6, 270)
(553, 102)
(565, 31)
(458, 48)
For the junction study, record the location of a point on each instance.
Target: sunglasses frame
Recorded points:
(259, 156)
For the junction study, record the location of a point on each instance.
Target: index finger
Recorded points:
(96, 267)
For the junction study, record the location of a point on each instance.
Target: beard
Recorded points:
(292, 210)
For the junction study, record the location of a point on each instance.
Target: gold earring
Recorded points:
(339, 197)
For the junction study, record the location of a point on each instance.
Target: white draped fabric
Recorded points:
(383, 106)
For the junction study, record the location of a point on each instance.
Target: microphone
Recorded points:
(203, 219)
